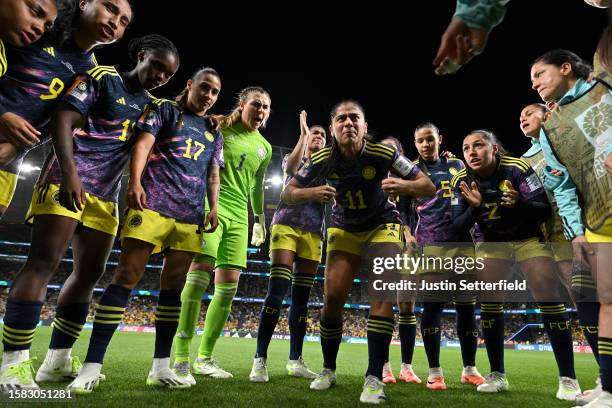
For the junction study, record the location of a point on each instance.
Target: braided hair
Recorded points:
(151, 42)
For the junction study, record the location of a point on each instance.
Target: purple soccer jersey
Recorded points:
(102, 145)
(360, 203)
(176, 174)
(307, 216)
(434, 214)
(34, 83)
(494, 221)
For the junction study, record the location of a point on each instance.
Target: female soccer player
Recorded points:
(37, 66)
(363, 215)
(174, 167)
(580, 286)
(503, 196)
(77, 192)
(295, 254)
(407, 318)
(580, 183)
(434, 232)
(22, 23)
(38, 74)
(246, 155)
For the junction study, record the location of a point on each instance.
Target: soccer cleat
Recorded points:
(324, 381)
(388, 377)
(494, 382)
(259, 372)
(209, 367)
(166, 378)
(589, 395)
(18, 376)
(87, 379)
(182, 371)
(604, 400)
(373, 391)
(407, 375)
(298, 368)
(569, 389)
(56, 371)
(436, 383)
(472, 377)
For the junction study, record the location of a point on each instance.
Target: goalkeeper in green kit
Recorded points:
(246, 155)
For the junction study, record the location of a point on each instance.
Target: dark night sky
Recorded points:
(311, 57)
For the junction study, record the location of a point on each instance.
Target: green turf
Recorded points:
(532, 376)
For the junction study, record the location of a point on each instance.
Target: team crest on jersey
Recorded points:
(261, 153)
(453, 170)
(150, 118)
(209, 136)
(55, 197)
(368, 172)
(79, 91)
(135, 221)
(505, 185)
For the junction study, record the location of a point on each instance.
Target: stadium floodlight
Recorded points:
(28, 168)
(276, 180)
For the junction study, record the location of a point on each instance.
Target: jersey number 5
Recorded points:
(55, 89)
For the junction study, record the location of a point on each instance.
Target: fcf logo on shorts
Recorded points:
(135, 221)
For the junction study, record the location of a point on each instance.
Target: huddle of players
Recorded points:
(106, 117)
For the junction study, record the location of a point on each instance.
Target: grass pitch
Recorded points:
(532, 375)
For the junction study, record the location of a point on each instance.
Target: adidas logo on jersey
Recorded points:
(121, 101)
(69, 66)
(50, 51)
(195, 130)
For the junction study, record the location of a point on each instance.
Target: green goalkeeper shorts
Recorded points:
(227, 246)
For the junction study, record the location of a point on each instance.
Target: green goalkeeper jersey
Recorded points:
(246, 155)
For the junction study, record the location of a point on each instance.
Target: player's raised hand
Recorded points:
(71, 192)
(459, 44)
(471, 194)
(18, 130)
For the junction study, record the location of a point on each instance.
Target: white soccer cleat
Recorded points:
(259, 371)
(324, 381)
(166, 378)
(209, 367)
(18, 376)
(590, 395)
(373, 391)
(569, 389)
(495, 382)
(298, 368)
(56, 370)
(182, 371)
(87, 380)
(604, 400)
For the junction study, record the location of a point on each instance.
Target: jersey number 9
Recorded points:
(55, 89)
